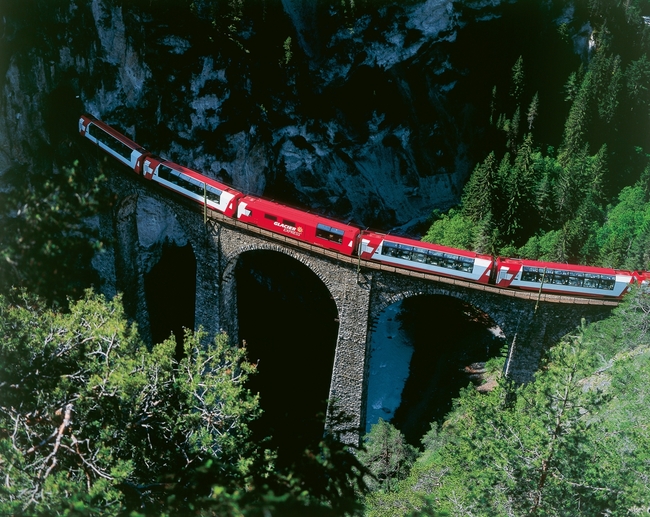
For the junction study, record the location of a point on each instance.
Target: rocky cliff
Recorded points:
(368, 111)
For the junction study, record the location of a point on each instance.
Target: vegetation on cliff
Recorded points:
(588, 201)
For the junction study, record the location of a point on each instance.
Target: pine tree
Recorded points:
(479, 194)
(518, 79)
(576, 123)
(387, 456)
(519, 191)
(532, 111)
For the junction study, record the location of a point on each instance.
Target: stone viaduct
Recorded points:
(360, 289)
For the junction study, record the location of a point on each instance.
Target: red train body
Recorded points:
(402, 252)
(114, 143)
(298, 225)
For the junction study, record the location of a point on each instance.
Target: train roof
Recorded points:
(114, 133)
(281, 210)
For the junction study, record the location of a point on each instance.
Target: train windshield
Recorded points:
(190, 184)
(572, 278)
(110, 141)
(329, 233)
(426, 256)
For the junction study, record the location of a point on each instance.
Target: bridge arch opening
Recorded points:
(289, 323)
(423, 350)
(170, 293)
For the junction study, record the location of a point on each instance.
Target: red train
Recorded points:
(349, 240)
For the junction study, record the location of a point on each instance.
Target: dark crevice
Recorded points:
(170, 290)
(448, 336)
(289, 323)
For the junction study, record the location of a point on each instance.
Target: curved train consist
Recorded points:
(400, 252)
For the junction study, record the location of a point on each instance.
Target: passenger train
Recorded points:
(401, 252)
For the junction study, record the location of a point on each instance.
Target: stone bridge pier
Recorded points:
(349, 292)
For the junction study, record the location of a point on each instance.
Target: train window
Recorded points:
(532, 274)
(435, 258)
(404, 252)
(110, 141)
(289, 223)
(389, 249)
(329, 233)
(165, 172)
(271, 217)
(607, 282)
(213, 194)
(561, 277)
(189, 184)
(591, 281)
(576, 279)
(466, 264)
(419, 255)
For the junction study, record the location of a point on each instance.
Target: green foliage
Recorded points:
(93, 423)
(46, 242)
(537, 205)
(87, 410)
(452, 229)
(624, 237)
(387, 456)
(573, 442)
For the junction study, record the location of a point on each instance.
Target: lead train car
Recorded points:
(192, 185)
(299, 225)
(114, 143)
(563, 278)
(424, 256)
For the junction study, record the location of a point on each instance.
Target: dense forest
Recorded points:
(94, 422)
(582, 195)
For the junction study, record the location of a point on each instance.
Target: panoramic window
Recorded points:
(424, 256)
(189, 184)
(572, 278)
(110, 141)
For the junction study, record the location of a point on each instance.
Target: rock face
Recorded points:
(371, 114)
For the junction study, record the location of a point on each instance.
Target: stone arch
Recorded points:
(229, 289)
(435, 345)
(480, 303)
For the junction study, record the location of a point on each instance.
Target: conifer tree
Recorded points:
(518, 79)
(532, 111)
(576, 123)
(479, 194)
(387, 456)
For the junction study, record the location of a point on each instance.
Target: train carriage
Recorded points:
(563, 278)
(426, 257)
(114, 143)
(192, 185)
(298, 225)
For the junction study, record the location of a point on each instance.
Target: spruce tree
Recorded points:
(387, 456)
(479, 194)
